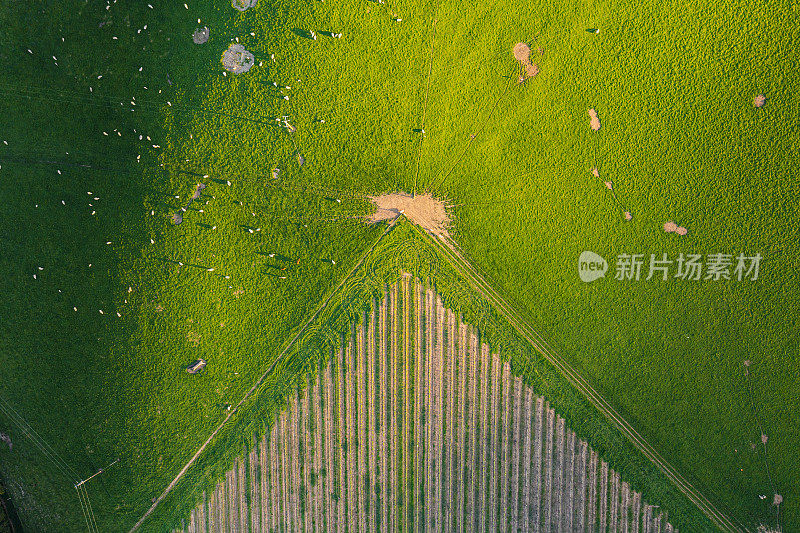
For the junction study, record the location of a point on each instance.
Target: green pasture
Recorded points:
(673, 85)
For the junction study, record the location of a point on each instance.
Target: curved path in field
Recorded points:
(451, 251)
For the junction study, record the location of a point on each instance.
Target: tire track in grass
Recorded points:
(419, 429)
(456, 259)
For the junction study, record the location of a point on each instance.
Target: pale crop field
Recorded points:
(416, 425)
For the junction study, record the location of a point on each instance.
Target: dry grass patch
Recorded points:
(421, 209)
(594, 121)
(522, 53)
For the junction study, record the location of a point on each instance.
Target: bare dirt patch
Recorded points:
(522, 53)
(594, 121)
(671, 227)
(759, 100)
(421, 209)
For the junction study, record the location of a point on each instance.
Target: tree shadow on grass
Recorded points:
(181, 263)
(306, 34)
(276, 256)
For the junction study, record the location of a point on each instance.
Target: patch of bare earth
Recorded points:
(671, 227)
(522, 53)
(421, 209)
(759, 100)
(594, 121)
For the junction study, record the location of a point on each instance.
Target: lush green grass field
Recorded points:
(681, 141)
(673, 86)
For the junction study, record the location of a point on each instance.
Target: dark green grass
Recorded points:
(100, 387)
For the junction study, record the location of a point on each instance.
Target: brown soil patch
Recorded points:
(670, 226)
(522, 53)
(421, 209)
(759, 100)
(595, 120)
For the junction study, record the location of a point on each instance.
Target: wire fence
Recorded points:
(62, 467)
